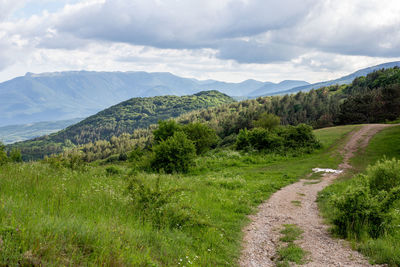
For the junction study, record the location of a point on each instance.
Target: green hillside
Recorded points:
(116, 215)
(327, 106)
(151, 198)
(368, 99)
(122, 118)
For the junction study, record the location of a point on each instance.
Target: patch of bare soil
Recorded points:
(261, 236)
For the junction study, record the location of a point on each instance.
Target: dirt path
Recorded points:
(261, 236)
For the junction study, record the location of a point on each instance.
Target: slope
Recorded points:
(78, 94)
(121, 118)
(343, 80)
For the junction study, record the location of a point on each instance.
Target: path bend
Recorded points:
(261, 236)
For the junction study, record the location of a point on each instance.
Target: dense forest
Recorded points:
(368, 99)
(122, 118)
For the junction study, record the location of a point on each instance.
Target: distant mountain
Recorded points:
(343, 80)
(139, 112)
(66, 95)
(16, 133)
(271, 88)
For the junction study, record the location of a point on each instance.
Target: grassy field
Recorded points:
(51, 215)
(384, 249)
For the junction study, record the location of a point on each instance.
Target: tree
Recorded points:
(267, 121)
(165, 129)
(202, 136)
(174, 154)
(15, 155)
(3, 154)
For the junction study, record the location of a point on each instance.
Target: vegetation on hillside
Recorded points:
(366, 207)
(122, 118)
(320, 108)
(65, 212)
(178, 193)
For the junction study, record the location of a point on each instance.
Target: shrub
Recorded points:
(15, 155)
(175, 154)
(112, 158)
(165, 130)
(3, 154)
(135, 155)
(384, 175)
(278, 139)
(159, 205)
(202, 136)
(356, 210)
(243, 140)
(74, 161)
(299, 136)
(263, 139)
(365, 208)
(267, 121)
(113, 170)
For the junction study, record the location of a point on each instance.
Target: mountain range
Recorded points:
(343, 80)
(68, 95)
(125, 117)
(76, 94)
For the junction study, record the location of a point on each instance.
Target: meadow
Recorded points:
(89, 215)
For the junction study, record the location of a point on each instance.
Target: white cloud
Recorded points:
(235, 39)
(9, 6)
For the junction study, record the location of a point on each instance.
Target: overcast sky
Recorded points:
(231, 40)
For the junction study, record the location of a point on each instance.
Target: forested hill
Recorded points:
(122, 118)
(368, 99)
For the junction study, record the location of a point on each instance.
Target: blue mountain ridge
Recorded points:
(343, 80)
(76, 94)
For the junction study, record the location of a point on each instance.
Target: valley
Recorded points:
(244, 133)
(180, 191)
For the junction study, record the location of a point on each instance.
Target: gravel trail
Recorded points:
(261, 236)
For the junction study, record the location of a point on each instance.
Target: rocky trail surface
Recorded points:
(261, 236)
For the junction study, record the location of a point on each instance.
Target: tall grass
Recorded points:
(53, 215)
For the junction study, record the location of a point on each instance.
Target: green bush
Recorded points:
(165, 130)
(267, 121)
(15, 155)
(263, 139)
(175, 154)
(243, 140)
(159, 205)
(3, 154)
(299, 136)
(202, 136)
(384, 175)
(365, 209)
(279, 139)
(113, 170)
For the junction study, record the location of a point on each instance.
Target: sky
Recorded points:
(228, 40)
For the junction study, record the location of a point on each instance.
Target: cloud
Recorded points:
(252, 51)
(234, 27)
(180, 24)
(9, 6)
(358, 27)
(190, 36)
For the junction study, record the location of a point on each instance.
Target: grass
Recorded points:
(297, 203)
(384, 249)
(291, 252)
(291, 233)
(57, 216)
